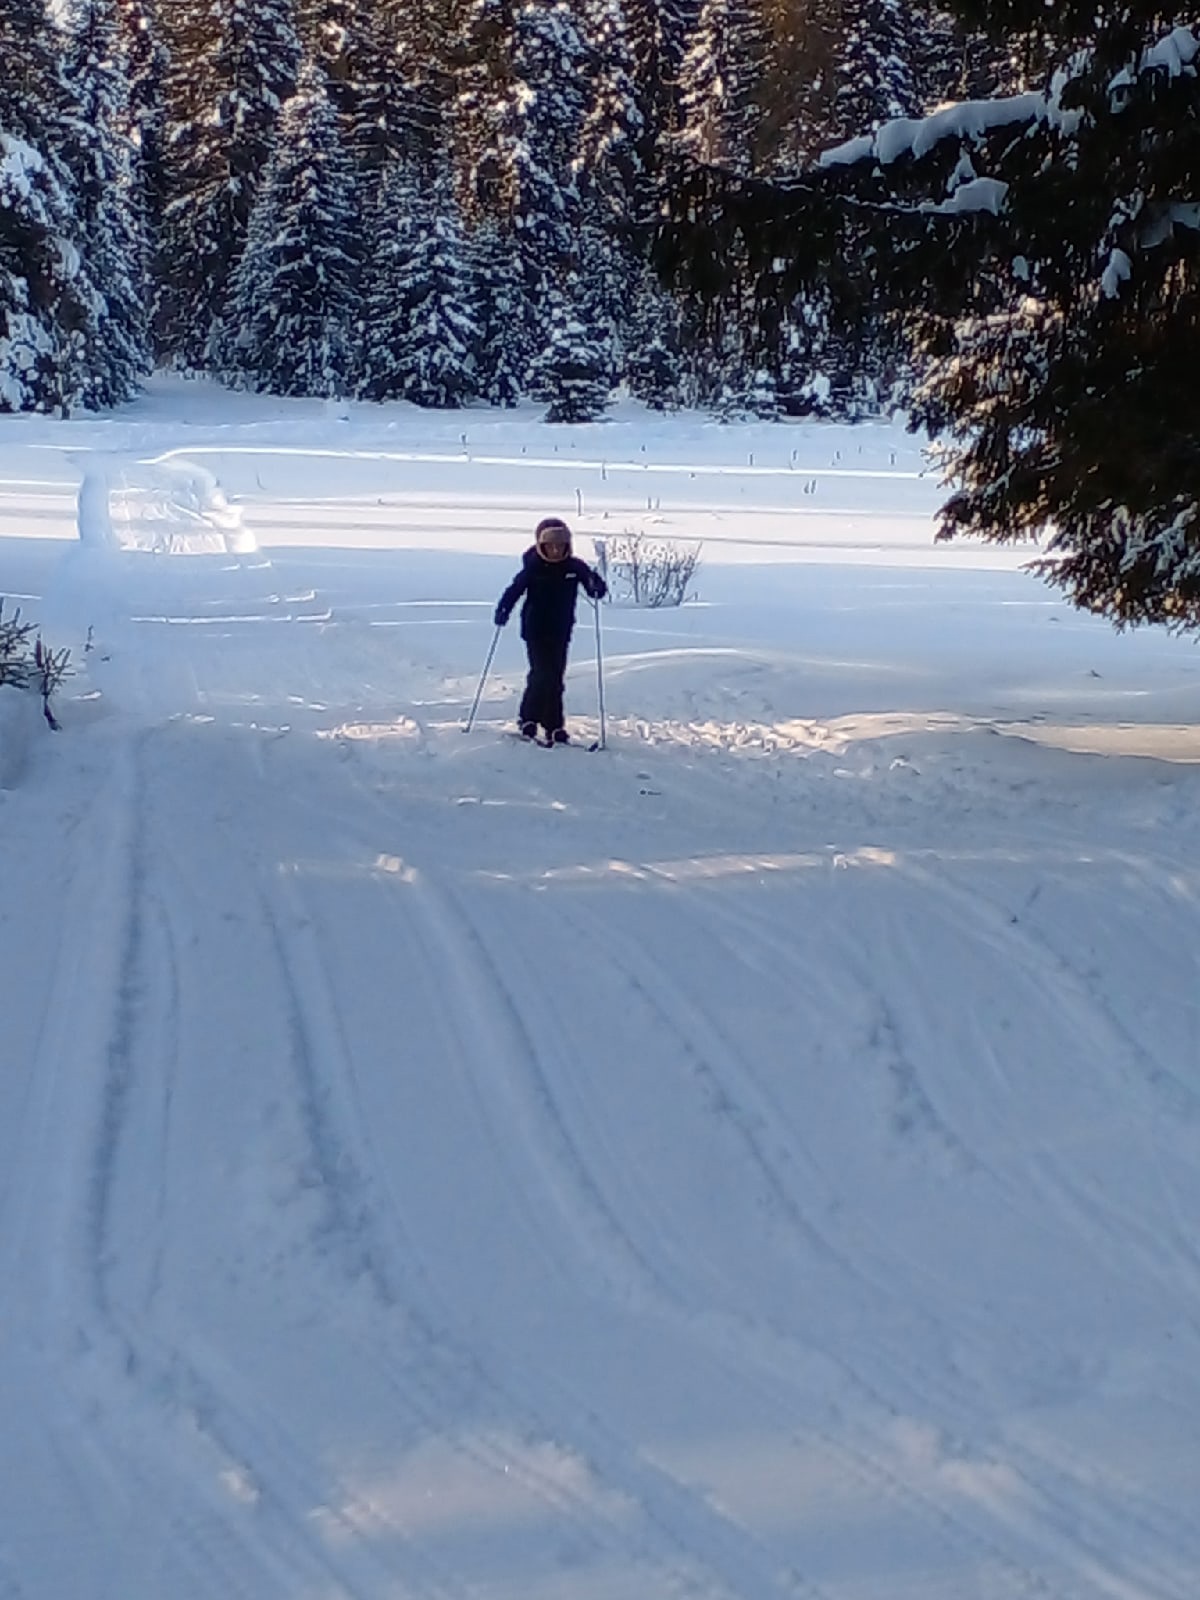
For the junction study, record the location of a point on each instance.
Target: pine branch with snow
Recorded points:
(1040, 253)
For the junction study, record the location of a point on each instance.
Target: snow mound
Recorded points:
(173, 508)
(159, 546)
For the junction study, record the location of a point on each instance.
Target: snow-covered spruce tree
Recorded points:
(379, 59)
(721, 81)
(400, 89)
(1042, 252)
(326, 30)
(652, 366)
(233, 64)
(389, 246)
(146, 62)
(49, 308)
(443, 333)
(602, 285)
(421, 298)
(799, 83)
(876, 66)
(658, 33)
(572, 372)
(551, 67)
(840, 67)
(484, 132)
(837, 68)
(289, 328)
(31, 89)
(723, 77)
(110, 201)
(520, 104)
(500, 300)
(618, 202)
(45, 299)
(609, 159)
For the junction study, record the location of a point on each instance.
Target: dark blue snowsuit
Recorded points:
(551, 589)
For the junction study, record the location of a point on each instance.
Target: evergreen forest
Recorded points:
(986, 212)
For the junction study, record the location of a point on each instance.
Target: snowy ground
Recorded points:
(758, 1160)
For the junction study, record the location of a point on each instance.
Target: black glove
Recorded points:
(501, 616)
(597, 587)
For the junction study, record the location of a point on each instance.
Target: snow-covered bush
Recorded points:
(645, 570)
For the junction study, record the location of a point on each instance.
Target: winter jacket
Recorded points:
(550, 589)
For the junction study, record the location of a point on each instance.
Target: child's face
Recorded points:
(554, 549)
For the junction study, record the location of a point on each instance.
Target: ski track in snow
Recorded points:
(535, 1119)
(479, 975)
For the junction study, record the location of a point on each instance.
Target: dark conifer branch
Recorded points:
(1041, 255)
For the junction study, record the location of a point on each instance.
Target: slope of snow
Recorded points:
(756, 1160)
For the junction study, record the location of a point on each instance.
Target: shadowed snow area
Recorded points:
(754, 1161)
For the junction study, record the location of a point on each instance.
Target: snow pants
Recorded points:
(542, 701)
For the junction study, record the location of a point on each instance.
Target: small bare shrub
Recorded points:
(16, 663)
(646, 570)
(50, 667)
(27, 662)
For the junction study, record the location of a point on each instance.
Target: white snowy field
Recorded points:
(756, 1161)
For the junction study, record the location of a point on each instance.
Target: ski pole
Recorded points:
(599, 672)
(487, 665)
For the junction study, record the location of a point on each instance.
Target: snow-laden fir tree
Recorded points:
(400, 96)
(500, 289)
(652, 366)
(618, 203)
(603, 282)
(388, 248)
(609, 159)
(443, 331)
(572, 372)
(421, 317)
(31, 89)
(521, 102)
(550, 66)
(551, 69)
(721, 83)
(326, 30)
(290, 326)
(146, 60)
(839, 67)
(49, 307)
(233, 64)
(877, 65)
(111, 198)
(484, 131)
(799, 81)
(658, 33)
(380, 79)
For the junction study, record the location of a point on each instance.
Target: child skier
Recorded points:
(550, 579)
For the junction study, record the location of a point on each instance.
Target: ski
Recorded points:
(550, 744)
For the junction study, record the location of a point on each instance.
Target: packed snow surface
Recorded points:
(757, 1161)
